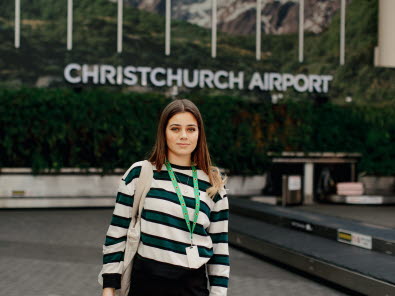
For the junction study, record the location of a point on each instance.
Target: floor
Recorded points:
(59, 253)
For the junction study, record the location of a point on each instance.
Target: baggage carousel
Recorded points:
(361, 199)
(348, 253)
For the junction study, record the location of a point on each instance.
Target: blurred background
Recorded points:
(298, 102)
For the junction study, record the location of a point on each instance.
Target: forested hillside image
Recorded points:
(43, 54)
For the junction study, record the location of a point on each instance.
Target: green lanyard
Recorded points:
(181, 198)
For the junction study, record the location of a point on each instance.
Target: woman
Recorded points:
(184, 222)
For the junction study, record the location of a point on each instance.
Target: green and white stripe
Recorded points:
(164, 233)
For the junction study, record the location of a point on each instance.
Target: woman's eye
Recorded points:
(176, 128)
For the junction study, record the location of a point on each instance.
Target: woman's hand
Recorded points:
(108, 292)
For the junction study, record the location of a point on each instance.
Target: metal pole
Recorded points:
(342, 31)
(308, 183)
(258, 29)
(69, 24)
(167, 34)
(17, 23)
(353, 178)
(284, 195)
(301, 29)
(385, 50)
(120, 21)
(214, 29)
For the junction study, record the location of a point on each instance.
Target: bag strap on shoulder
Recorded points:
(142, 187)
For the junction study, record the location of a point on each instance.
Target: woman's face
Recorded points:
(182, 128)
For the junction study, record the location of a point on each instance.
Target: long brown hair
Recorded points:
(200, 157)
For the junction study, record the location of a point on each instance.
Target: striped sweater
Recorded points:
(164, 233)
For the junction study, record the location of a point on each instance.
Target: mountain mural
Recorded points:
(42, 57)
(239, 16)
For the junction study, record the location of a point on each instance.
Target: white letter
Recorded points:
(305, 83)
(325, 80)
(195, 80)
(67, 73)
(288, 80)
(266, 81)
(144, 71)
(315, 83)
(275, 80)
(86, 73)
(154, 79)
(206, 76)
(239, 80)
(119, 75)
(256, 80)
(130, 77)
(171, 77)
(107, 72)
(217, 82)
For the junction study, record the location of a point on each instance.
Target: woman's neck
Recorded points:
(180, 160)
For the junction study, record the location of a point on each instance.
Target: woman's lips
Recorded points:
(182, 144)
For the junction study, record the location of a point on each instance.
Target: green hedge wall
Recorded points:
(55, 128)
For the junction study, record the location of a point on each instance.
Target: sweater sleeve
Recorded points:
(115, 242)
(219, 264)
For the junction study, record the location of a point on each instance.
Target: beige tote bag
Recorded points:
(133, 235)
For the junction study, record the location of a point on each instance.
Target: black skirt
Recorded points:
(150, 278)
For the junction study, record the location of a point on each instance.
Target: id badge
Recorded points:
(193, 256)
